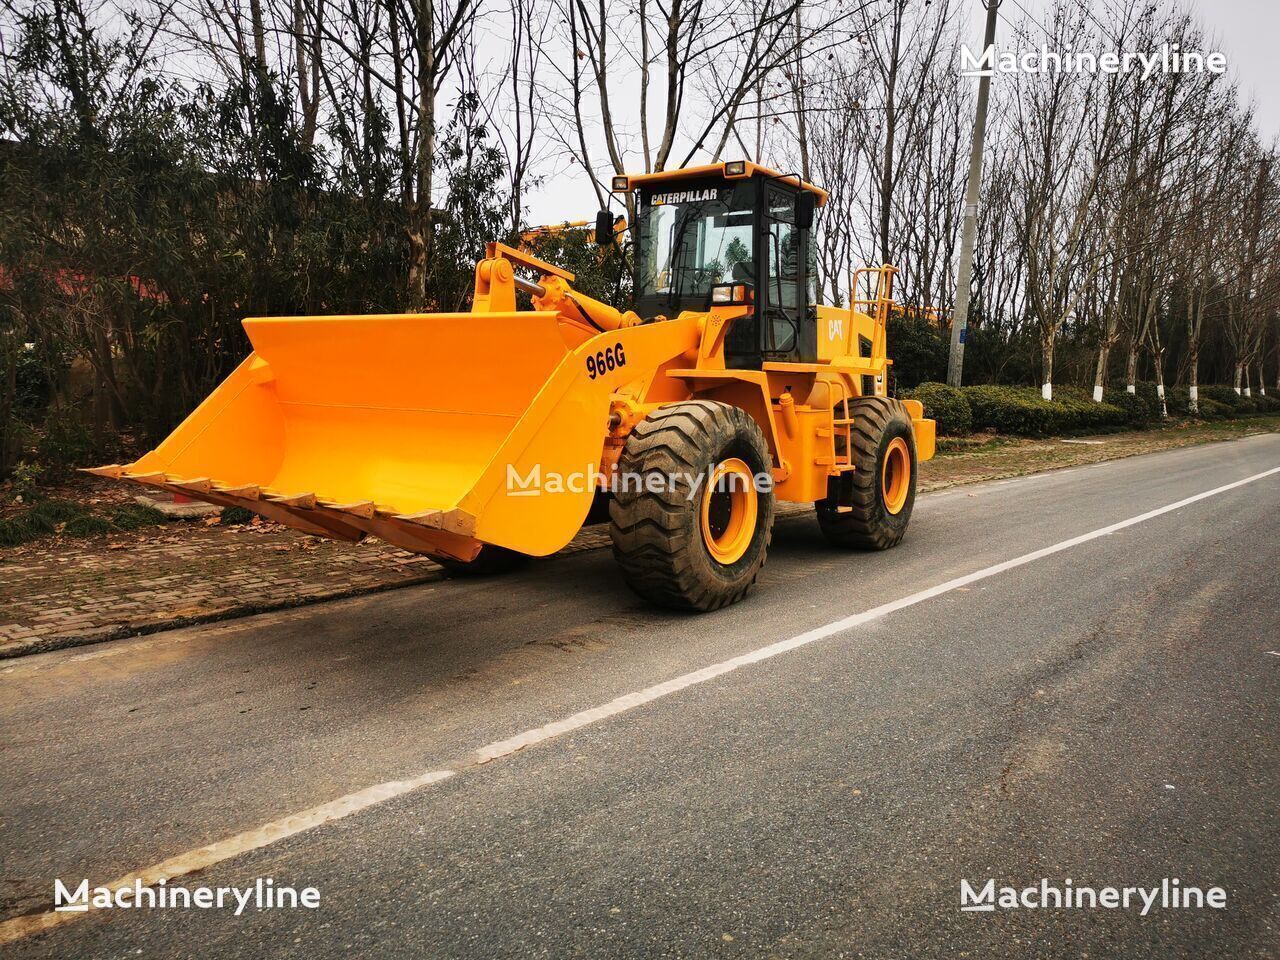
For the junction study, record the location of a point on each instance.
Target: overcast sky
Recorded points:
(1246, 31)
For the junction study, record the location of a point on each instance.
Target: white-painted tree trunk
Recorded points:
(1193, 400)
(1100, 373)
(1131, 370)
(1046, 362)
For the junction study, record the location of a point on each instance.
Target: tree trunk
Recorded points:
(1238, 377)
(1164, 406)
(1046, 363)
(1193, 380)
(1100, 378)
(8, 396)
(1131, 370)
(419, 226)
(1262, 383)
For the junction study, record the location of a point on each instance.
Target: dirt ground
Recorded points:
(63, 591)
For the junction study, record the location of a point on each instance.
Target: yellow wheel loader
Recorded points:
(483, 437)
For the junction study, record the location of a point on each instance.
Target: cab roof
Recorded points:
(742, 169)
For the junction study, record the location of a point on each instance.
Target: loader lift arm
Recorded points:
(497, 283)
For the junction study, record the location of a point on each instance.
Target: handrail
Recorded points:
(880, 306)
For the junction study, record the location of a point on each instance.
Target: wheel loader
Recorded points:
(484, 437)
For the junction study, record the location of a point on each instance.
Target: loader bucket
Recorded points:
(405, 426)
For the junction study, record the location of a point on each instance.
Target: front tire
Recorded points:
(692, 537)
(869, 507)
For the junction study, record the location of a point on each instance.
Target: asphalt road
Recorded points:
(1109, 713)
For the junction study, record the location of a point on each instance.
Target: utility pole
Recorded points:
(969, 225)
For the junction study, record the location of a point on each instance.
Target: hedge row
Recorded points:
(1021, 410)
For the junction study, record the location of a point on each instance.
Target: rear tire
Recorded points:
(491, 561)
(685, 546)
(868, 508)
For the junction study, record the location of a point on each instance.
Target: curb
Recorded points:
(23, 648)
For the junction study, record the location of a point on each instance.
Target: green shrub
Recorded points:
(234, 515)
(1021, 410)
(64, 444)
(947, 405)
(1267, 403)
(24, 482)
(38, 520)
(1138, 410)
(1179, 401)
(1220, 393)
(45, 517)
(1246, 406)
(132, 516)
(88, 525)
(1211, 409)
(1142, 406)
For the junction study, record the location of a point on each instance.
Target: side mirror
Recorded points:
(604, 228)
(804, 210)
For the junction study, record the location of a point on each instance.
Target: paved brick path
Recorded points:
(66, 593)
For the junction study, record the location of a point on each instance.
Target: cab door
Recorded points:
(787, 330)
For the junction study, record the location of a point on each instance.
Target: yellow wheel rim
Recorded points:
(730, 506)
(895, 475)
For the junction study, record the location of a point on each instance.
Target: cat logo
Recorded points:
(835, 329)
(684, 196)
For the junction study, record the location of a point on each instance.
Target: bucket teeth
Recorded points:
(430, 531)
(156, 478)
(362, 508)
(113, 471)
(303, 501)
(248, 492)
(428, 518)
(452, 521)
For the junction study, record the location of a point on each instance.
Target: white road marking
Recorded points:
(630, 701)
(202, 857)
(270, 833)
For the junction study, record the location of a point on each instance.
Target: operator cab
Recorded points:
(730, 233)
